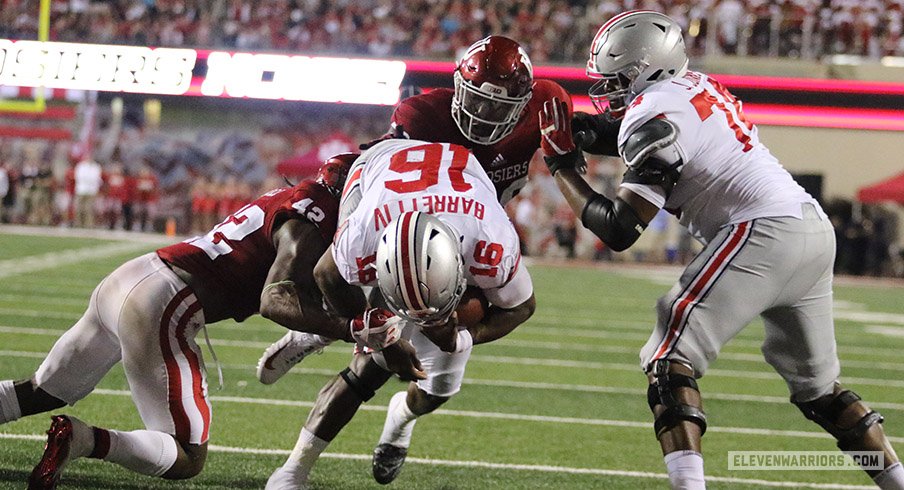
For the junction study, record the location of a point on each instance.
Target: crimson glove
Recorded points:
(556, 141)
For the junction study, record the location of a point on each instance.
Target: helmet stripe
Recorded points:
(609, 23)
(408, 266)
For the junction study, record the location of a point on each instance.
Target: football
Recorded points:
(472, 307)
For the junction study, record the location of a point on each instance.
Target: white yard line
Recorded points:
(53, 260)
(531, 385)
(730, 356)
(525, 361)
(529, 361)
(509, 466)
(885, 330)
(629, 424)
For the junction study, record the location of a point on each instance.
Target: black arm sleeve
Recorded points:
(600, 134)
(614, 222)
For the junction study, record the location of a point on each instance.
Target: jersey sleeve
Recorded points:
(546, 90)
(494, 265)
(413, 119)
(642, 109)
(518, 288)
(427, 117)
(312, 202)
(354, 253)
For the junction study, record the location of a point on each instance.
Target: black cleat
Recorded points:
(387, 463)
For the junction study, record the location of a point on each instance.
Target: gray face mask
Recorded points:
(485, 115)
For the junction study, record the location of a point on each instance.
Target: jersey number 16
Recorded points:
(426, 160)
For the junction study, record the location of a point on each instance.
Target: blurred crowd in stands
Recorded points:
(186, 183)
(553, 30)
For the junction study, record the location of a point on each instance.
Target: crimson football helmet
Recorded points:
(334, 170)
(493, 83)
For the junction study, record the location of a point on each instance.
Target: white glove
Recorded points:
(376, 328)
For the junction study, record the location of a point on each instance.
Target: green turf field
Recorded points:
(560, 403)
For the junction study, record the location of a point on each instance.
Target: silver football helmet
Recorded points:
(419, 268)
(630, 52)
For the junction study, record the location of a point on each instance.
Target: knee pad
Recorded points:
(357, 385)
(663, 392)
(826, 411)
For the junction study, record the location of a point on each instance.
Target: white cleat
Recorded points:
(285, 479)
(286, 352)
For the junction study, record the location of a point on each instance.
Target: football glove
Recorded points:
(376, 328)
(595, 134)
(555, 128)
(556, 141)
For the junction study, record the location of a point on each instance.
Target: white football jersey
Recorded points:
(728, 176)
(445, 180)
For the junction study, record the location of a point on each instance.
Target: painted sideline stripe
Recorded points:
(631, 424)
(506, 466)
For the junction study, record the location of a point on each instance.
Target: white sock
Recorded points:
(399, 423)
(9, 403)
(685, 470)
(82, 439)
(304, 455)
(891, 478)
(143, 451)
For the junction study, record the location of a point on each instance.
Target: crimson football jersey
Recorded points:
(235, 257)
(428, 117)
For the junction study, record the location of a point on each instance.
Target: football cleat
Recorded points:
(387, 462)
(57, 452)
(286, 352)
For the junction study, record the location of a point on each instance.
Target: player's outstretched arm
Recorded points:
(499, 322)
(345, 299)
(290, 297)
(618, 223)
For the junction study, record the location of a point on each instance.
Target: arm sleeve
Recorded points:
(344, 256)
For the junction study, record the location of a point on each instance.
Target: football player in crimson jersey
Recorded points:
(492, 111)
(147, 312)
(769, 247)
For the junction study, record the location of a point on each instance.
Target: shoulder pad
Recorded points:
(651, 136)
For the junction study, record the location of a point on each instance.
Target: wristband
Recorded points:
(464, 341)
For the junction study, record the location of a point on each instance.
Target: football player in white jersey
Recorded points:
(769, 248)
(421, 221)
